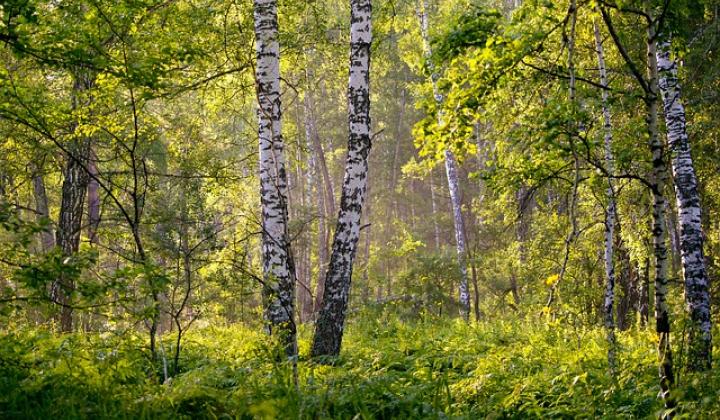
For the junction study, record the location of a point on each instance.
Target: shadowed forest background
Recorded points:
(359, 208)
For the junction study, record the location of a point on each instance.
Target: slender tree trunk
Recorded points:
(459, 223)
(74, 187)
(304, 273)
(366, 250)
(644, 298)
(278, 268)
(697, 295)
(43, 209)
(323, 190)
(93, 198)
(453, 186)
(433, 200)
(396, 154)
(611, 211)
(330, 324)
(659, 228)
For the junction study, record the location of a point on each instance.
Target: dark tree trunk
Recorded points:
(74, 187)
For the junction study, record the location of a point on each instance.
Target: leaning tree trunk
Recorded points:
(330, 324)
(659, 226)
(697, 296)
(278, 270)
(459, 223)
(611, 211)
(453, 186)
(74, 186)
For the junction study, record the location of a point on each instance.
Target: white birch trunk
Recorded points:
(278, 270)
(697, 296)
(453, 186)
(331, 322)
(610, 215)
(459, 223)
(659, 226)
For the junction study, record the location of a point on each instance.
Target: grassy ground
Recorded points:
(388, 369)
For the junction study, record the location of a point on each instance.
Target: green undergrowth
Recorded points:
(388, 369)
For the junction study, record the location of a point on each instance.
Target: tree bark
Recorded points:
(93, 198)
(43, 209)
(331, 322)
(453, 186)
(659, 228)
(278, 269)
(611, 211)
(433, 200)
(459, 223)
(325, 193)
(697, 296)
(74, 187)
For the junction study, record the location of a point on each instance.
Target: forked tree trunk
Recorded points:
(278, 269)
(697, 296)
(331, 322)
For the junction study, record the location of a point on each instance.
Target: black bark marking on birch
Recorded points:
(697, 295)
(278, 268)
(331, 321)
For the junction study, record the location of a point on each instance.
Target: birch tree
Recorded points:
(658, 179)
(278, 269)
(331, 321)
(451, 170)
(611, 211)
(697, 296)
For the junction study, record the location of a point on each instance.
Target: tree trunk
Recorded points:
(611, 211)
(278, 269)
(433, 200)
(93, 198)
(453, 186)
(366, 250)
(74, 186)
(459, 223)
(659, 228)
(326, 194)
(644, 298)
(43, 209)
(330, 324)
(697, 296)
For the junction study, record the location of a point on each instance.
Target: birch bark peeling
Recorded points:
(697, 296)
(331, 322)
(278, 269)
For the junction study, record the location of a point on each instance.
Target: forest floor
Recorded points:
(388, 369)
